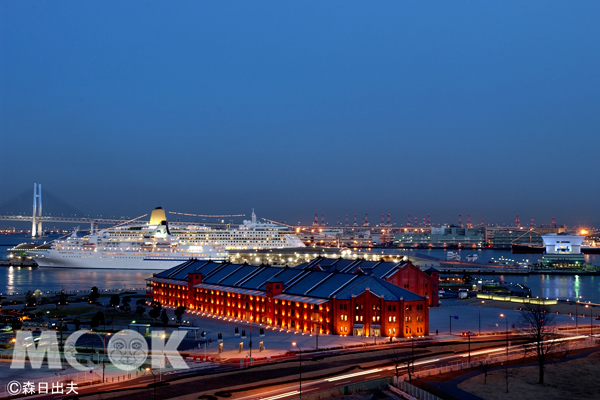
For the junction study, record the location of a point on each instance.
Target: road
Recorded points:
(281, 380)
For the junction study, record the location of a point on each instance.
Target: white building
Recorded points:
(563, 250)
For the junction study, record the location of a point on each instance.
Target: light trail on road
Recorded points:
(280, 396)
(337, 378)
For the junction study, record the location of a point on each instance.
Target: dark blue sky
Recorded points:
(296, 108)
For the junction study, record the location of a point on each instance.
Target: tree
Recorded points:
(484, 366)
(155, 311)
(164, 317)
(77, 323)
(94, 295)
(126, 307)
(536, 324)
(402, 359)
(179, 311)
(97, 320)
(140, 309)
(114, 300)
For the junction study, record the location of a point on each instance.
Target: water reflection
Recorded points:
(11, 278)
(553, 286)
(55, 279)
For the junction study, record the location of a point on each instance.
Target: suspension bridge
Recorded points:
(20, 208)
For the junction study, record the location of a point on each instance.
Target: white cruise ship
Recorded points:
(251, 235)
(141, 246)
(156, 245)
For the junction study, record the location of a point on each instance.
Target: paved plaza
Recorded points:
(277, 343)
(463, 315)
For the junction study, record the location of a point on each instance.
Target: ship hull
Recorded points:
(51, 259)
(526, 249)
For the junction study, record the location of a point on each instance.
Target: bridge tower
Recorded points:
(36, 225)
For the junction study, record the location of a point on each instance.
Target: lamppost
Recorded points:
(506, 319)
(154, 376)
(317, 327)
(591, 322)
(103, 349)
(300, 354)
(412, 355)
(103, 352)
(576, 320)
(250, 342)
(163, 360)
(469, 336)
(318, 330)
(455, 317)
(480, 316)
(60, 327)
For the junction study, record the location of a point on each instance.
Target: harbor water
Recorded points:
(14, 279)
(20, 280)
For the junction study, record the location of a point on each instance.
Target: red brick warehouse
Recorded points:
(344, 297)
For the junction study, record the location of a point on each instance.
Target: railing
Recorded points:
(413, 391)
(477, 361)
(345, 390)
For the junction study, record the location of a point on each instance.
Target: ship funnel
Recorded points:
(157, 216)
(166, 225)
(161, 231)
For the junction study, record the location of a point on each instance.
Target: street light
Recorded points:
(480, 316)
(469, 336)
(300, 354)
(576, 321)
(103, 350)
(506, 319)
(154, 376)
(591, 322)
(455, 317)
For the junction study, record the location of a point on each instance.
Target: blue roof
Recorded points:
(238, 275)
(259, 279)
(331, 284)
(365, 264)
(301, 266)
(286, 275)
(379, 287)
(210, 267)
(181, 271)
(306, 283)
(221, 273)
(385, 269)
(172, 271)
(342, 264)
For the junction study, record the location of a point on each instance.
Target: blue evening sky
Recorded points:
(297, 108)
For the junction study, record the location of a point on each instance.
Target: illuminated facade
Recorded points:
(563, 250)
(341, 297)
